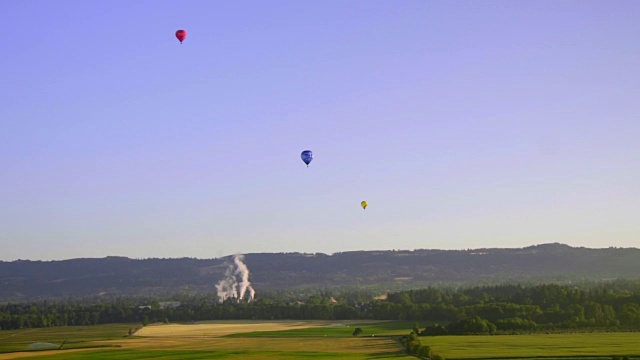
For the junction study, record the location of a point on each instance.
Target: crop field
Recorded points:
(290, 340)
(335, 329)
(579, 346)
(75, 336)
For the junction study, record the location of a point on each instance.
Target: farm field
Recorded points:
(75, 336)
(581, 346)
(300, 340)
(214, 340)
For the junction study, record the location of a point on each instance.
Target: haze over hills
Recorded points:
(391, 269)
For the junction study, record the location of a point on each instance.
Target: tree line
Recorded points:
(444, 310)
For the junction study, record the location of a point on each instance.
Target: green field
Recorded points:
(214, 354)
(333, 341)
(290, 344)
(586, 345)
(339, 330)
(75, 336)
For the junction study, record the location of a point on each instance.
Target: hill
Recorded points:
(394, 270)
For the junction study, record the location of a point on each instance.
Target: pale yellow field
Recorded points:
(221, 328)
(210, 336)
(340, 345)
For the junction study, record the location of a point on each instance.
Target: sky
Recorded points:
(464, 124)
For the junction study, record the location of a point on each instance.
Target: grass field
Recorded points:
(290, 340)
(540, 345)
(75, 336)
(337, 329)
(212, 340)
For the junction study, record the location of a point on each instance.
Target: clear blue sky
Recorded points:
(464, 124)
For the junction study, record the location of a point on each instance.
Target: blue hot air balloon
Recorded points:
(307, 156)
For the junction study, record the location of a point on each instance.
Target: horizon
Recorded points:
(315, 253)
(462, 124)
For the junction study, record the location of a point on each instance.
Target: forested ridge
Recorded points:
(550, 287)
(379, 270)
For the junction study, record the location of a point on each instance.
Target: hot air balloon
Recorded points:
(307, 156)
(181, 35)
(364, 205)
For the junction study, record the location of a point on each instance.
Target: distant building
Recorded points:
(169, 304)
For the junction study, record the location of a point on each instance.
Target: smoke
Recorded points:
(243, 271)
(227, 288)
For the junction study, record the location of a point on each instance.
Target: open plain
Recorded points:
(288, 340)
(300, 340)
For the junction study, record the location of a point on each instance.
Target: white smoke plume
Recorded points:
(227, 288)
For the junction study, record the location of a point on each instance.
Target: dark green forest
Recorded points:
(509, 308)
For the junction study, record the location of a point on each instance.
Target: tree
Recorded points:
(357, 331)
(475, 325)
(424, 351)
(434, 330)
(416, 328)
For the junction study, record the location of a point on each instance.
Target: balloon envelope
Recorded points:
(181, 35)
(307, 156)
(364, 204)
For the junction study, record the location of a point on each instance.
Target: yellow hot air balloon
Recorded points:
(364, 204)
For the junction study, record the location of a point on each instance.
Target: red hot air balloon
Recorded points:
(181, 35)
